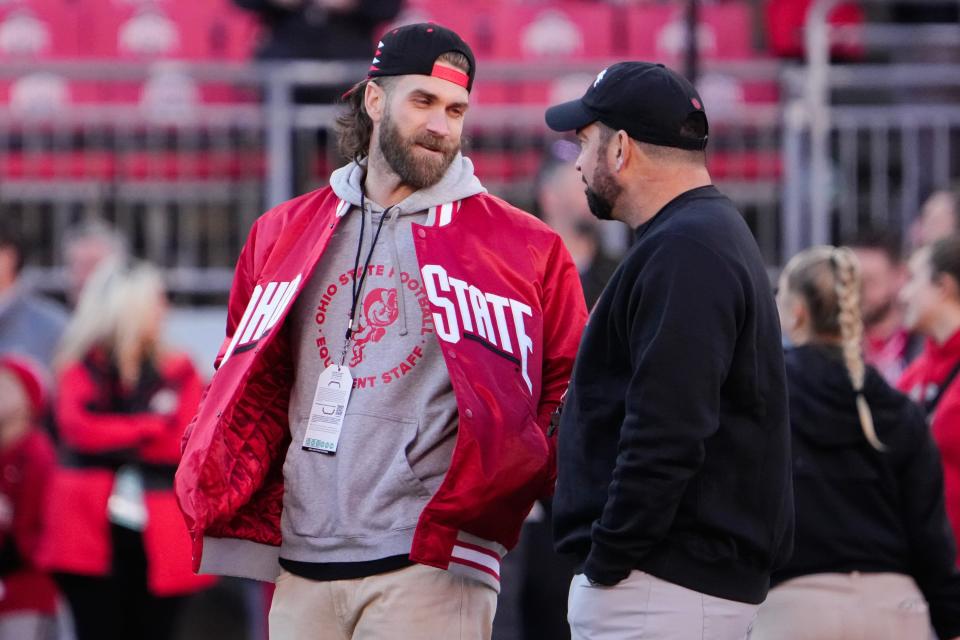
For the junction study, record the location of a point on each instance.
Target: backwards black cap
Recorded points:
(414, 49)
(648, 101)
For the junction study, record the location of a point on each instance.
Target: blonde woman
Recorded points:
(115, 537)
(873, 556)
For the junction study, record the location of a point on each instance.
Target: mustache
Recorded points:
(433, 143)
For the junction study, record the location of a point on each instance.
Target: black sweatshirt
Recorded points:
(674, 443)
(859, 509)
(305, 30)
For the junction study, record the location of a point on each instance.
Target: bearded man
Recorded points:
(377, 428)
(675, 491)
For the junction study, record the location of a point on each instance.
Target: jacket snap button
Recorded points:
(421, 233)
(453, 355)
(468, 413)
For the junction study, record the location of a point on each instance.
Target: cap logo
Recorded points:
(376, 56)
(696, 103)
(599, 78)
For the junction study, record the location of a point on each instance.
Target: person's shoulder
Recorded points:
(951, 398)
(678, 243)
(914, 372)
(320, 201)
(900, 422)
(44, 310)
(705, 219)
(508, 217)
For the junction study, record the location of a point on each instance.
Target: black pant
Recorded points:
(119, 606)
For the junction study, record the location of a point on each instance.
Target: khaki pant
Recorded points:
(844, 606)
(27, 626)
(415, 603)
(643, 607)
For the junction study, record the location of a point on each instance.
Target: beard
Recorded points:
(876, 315)
(418, 170)
(603, 194)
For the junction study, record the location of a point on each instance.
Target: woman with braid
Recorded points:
(873, 556)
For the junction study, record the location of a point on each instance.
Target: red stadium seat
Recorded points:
(39, 29)
(745, 165)
(165, 29)
(559, 31)
(138, 165)
(506, 31)
(659, 32)
(784, 23)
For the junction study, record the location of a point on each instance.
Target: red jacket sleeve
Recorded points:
(183, 379)
(241, 289)
(94, 432)
(946, 429)
(564, 317)
(37, 470)
(912, 374)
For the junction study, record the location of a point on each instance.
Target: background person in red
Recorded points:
(27, 594)
(932, 296)
(115, 536)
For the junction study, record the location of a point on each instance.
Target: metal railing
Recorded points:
(865, 143)
(183, 180)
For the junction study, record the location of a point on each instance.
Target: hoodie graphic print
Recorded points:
(399, 431)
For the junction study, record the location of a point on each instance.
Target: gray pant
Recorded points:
(643, 607)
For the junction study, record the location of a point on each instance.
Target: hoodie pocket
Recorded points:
(366, 490)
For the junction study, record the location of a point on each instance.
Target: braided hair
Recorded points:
(828, 281)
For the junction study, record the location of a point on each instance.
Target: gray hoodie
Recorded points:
(400, 426)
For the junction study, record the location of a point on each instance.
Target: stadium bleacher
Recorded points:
(105, 95)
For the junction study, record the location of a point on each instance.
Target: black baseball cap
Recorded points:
(648, 101)
(414, 49)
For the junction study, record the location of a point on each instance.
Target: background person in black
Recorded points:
(674, 483)
(319, 29)
(871, 525)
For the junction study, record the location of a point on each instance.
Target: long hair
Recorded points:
(355, 128)
(113, 313)
(827, 279)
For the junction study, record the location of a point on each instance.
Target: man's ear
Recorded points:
(8, 262)
(374, 101)
(948, 285)
(799, 315)
(624, 151)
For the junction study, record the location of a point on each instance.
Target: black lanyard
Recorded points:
(358, 280)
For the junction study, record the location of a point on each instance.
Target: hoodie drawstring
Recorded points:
(401, 299)
(365, 212)
(394, 216)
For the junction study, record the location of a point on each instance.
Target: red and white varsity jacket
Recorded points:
(230, 483)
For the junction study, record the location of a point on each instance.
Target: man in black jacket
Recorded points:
(674, 488)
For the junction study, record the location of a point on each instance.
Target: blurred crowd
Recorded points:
(93, 406)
